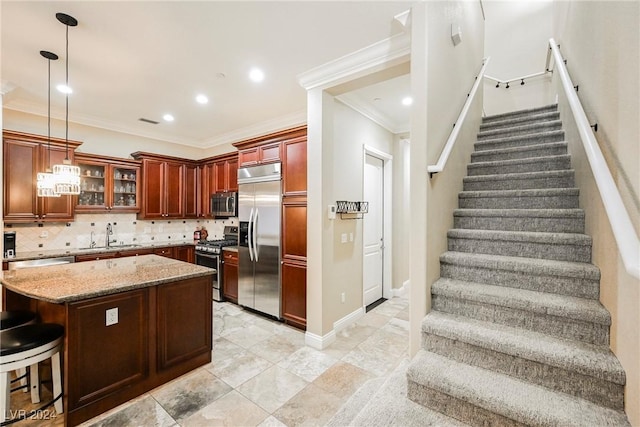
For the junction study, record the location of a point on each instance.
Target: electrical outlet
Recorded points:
(351, 237)
(343, 238)
(112, 316)
(44, 234)
(342, 297)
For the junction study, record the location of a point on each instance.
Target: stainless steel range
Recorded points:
(209, 254)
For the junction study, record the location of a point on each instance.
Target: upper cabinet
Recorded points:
(163, 186)
(108, 184)
(24, 156)
(219, 175)
(294, 167)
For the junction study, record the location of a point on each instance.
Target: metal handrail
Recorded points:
(528, 76)
(448, 147)
(623, 230)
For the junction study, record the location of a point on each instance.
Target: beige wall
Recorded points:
(440, 81)
(524, 51)
(601, 42)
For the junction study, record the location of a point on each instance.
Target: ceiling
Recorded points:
(130, 60)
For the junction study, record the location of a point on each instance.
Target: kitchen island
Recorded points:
(131, 324)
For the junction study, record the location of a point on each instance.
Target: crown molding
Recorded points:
(268, 126)
(391, 51)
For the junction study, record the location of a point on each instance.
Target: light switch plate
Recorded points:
(112, 316)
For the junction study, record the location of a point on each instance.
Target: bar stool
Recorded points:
(27, 346)
(12, 319)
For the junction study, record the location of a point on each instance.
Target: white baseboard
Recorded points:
(319, 342)
(404, 289)
(347, 320)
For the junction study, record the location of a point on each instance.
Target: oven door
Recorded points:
(212, 261)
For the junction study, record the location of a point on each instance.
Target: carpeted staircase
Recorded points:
(517, 335)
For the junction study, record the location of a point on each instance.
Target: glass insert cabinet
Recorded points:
(108, 184)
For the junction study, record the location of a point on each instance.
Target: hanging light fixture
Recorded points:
(67, 175)
(45, 181)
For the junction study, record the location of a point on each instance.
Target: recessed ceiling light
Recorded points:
(202, 99)
(407, 100)
(256, 75)
(168, 118)
(64, 88)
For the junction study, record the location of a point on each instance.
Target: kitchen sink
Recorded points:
(124, 246)
(102, 248)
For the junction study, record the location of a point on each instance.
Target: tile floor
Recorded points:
(263, 374)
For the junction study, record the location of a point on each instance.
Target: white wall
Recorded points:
(516, 39)
(601, 43)
(441, 76)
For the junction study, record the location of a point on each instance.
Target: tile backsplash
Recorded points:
(126, 230)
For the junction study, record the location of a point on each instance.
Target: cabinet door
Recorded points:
(57, 208)
(207, 178)
(230, 276)
(185, 253)
(269, 153)
(294, 293)
(124, 188)
(294, 167)
(219, 178)
(232, 175)
(183, 321)
(153, 189)
(96, 257)
(248, 157)
(294, 229)
(95, 193)
(192, 191)
(20, 169)
(111, 357)
(174, 184)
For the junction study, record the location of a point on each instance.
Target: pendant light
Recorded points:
(67, 175)
(45, 181)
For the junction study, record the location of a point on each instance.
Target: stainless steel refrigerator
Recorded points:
(259, 204)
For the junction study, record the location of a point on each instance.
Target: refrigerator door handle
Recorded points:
(249, 235)
(255, 234)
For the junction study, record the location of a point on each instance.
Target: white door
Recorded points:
(373, 229)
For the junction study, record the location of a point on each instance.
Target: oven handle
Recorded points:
(249, 235)
(198, 254)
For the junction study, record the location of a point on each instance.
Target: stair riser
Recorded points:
(546, 225)
(541, 151)
(520, 142)
(520, 184)
(520, 121)
(572, 286)
(533, 202)
(519, 114)
(456, 408)
(554, 251)
(553, 164)
(517, 131)
(582, 386)
(556, 326)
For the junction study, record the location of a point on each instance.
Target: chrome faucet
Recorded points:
(109, 233)
(93, 242)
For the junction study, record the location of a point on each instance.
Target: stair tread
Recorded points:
(492, 163)
(531, 111)
(510, 397)
(519, 128)
(480, 144)
(521, 236)
(586, 310)
(520, 175)
(529, 265)
(534, 192)
(541, 117)
(519, 149)
(539, 213)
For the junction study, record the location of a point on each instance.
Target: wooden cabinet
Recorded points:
(230, 276)
(294, 293)
(192, 191)
(294, 167)
(108, 184)
(166, 252)
(185, 253)
(24, 155)
(163, 187)
(96, 257)
(294, 261)
(268, 153)
(219, 174)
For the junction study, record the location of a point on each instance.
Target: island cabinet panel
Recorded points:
(230, 276)
(107, 358)
(182, 309)
(24, 155)
(185, 253)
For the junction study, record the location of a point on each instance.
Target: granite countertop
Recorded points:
(55, 253)
(80, 281)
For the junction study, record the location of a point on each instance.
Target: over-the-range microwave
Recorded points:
(224, 205)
